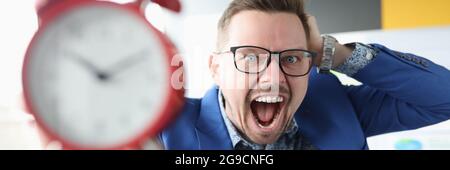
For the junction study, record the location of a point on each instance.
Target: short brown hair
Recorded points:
(290, 6)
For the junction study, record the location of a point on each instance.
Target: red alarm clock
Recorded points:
(98, 75)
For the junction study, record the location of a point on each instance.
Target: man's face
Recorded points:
(261, 105)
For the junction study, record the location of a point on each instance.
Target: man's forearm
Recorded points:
(349, 58)
(342, 53)
(359, 58)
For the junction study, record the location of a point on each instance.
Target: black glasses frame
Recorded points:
(234, 49)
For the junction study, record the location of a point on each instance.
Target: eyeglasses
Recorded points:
(253, 60)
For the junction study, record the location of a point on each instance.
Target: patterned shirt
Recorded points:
(361, 56)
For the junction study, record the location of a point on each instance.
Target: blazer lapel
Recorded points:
(211, 129)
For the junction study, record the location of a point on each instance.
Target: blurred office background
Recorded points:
(415, 26)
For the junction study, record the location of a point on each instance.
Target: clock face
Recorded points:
(97, 76)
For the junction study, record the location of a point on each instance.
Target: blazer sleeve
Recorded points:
(400, 91)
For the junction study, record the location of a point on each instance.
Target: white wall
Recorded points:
(18, 24)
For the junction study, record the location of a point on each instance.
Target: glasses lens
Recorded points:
(251, 59)
(296, 62)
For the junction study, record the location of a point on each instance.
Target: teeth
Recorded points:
(270, 99)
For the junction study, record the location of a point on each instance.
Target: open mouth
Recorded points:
(266, 109)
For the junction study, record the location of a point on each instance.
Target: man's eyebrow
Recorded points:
(296, 47)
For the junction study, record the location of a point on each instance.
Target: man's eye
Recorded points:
(250, 58)
(291, 59)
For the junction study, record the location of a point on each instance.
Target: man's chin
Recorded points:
(264, 139)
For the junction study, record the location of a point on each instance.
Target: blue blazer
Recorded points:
(400, 92)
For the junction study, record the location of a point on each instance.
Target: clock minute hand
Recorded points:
(128, 62)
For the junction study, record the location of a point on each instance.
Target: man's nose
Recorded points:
(273, 73)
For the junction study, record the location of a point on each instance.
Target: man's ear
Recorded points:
(214, 64)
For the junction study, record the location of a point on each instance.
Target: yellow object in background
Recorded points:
(414, 13)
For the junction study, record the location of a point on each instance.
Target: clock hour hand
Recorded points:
(101, 75)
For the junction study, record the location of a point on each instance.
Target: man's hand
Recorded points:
(316, 44)
(315, 40)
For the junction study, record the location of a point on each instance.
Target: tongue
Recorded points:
(265, 111)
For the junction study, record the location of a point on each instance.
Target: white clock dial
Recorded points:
(98, 76)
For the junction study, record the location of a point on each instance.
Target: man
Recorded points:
(269, 96)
